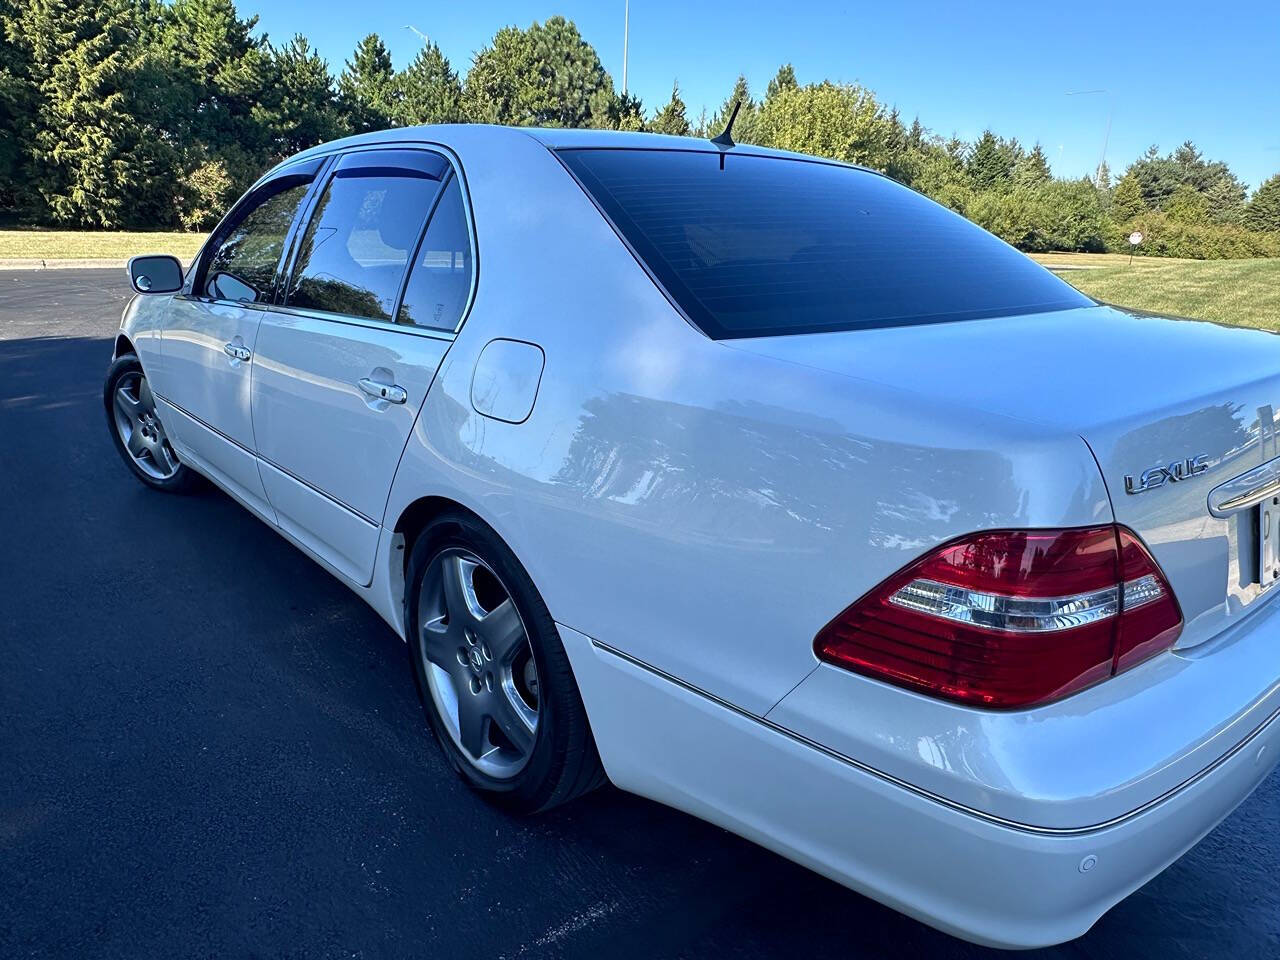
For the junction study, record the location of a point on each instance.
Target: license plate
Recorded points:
(1269, 541)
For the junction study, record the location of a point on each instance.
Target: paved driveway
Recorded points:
(208, 747)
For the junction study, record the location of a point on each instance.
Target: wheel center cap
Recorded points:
(476, 659)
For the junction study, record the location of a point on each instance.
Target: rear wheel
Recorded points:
(135, 426)
(492, 673)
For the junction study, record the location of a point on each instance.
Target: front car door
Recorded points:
(342, 367)
(209, 336)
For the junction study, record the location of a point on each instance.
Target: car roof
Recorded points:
(554, 138)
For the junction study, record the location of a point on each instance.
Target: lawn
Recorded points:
(1239, 292)
(93, 245)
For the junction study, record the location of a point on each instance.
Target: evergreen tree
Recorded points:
(17, 110)
(303, 110)
(431, 91)
(744, 128)
(989, 163)
(1103, 181)
(211, 73)
(95, 160)
(1263, 212)
(671, 118)
(1127, 201)
(545, 76)
(1188, 206)
(1032, 169)
(368, 90)
(784, 79)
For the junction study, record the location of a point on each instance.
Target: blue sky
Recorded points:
(1172, 71)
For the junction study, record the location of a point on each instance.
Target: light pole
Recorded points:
(1106, 137)
(626, 37)
(421, 36)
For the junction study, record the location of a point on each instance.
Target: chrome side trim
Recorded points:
(928, 794)
(1247, 490)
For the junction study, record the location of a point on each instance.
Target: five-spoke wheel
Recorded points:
(478, 663)
(140, 429)
(136, 429)
(492, 670)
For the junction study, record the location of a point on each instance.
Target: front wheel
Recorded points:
(491, 671)
(135, 427)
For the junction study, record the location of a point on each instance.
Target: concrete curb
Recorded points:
(35, 263)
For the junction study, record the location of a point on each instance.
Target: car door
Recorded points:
(343, 365)
(209, 335)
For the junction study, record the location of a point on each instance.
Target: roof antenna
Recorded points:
(725, 139)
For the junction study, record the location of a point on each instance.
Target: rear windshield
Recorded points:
(767, 246)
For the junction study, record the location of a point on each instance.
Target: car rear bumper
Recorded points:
(971, 874)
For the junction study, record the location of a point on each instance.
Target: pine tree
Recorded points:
(1263, 212)
(303, 110)
(546, 75)
(1187, 206)
(368, 90)
(784, 79)
(17, 111)
(671, 119)
(989, 164)
(95, 161)
(212, 73)
(431, 91)
(1033, 169)
(1127, 202)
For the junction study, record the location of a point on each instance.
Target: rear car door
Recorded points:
(343, 365)
(209, 336)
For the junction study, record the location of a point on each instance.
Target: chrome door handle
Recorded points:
(392, 393)
(236, 352)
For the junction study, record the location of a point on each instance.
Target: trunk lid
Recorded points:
(1176, 406)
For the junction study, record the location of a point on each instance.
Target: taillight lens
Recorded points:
(1010, 618)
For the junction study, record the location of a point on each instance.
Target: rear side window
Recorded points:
(243, 266)
(768, 246)
(440, 282)
(357, 245)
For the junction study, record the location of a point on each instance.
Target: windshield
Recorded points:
(766, 246)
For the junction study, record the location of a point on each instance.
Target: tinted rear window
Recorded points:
(768, 246)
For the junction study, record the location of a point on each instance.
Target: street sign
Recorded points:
(1135, 238)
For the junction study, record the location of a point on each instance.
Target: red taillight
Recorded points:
(1010, 618)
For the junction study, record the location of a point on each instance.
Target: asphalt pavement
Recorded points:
(209, 747)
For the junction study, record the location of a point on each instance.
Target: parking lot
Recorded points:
(211, 748)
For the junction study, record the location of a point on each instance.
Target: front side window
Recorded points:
(243, 266)
(362, 233)
(440, 282)
(753, 246)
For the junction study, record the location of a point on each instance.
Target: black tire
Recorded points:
(184, 480)
(563, 763)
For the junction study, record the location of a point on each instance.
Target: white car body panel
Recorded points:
(308, 405)
(694, 511)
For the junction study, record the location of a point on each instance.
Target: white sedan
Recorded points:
(759, 484)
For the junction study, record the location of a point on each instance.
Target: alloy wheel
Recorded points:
(478, 663)
(134, 412)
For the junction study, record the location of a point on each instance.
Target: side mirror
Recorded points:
(156, 273)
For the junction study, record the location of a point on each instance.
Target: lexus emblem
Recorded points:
(1154, 477)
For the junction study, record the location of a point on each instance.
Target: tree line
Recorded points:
(140, 113)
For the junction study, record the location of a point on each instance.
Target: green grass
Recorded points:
(1243, 293)
(92, 245)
